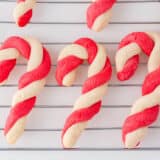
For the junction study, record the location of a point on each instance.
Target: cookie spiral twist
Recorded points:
(99, 14)
(94, 88)
(23, 12)
(30, 84)
(145, 110)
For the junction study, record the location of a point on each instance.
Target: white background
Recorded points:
(57, 23)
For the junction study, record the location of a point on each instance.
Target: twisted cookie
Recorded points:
(30, 84)
(94, 88)
(23, 12)
(99, 14)
(145, 110)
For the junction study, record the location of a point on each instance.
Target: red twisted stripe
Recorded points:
(100, 78)
(152, 80)
(25, 18)
(23, 108)
(98, 8)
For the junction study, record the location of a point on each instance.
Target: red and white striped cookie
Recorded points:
(145, 110)
(23, 12)
(99, 14)
(94, 88)
(30, 84)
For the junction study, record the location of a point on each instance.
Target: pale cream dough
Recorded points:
(154, 59)
(99, 61)
(74, 50)
(102, 21)
(16, 131)
(69, 79)
(73, 133)
(91, 97)
(133, 138)
(146, 101)
(36, 56)
(7, 54)
(29, 91)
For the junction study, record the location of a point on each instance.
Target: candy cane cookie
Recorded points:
(145, 110)
(23, 12)
(30, 84)
(94, 88)
(99, 14)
